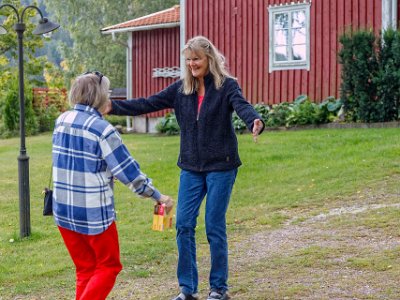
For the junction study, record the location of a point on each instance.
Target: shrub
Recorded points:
(238, 123)
(11, 111)
(263, 110)
(46, 117)
(240, 126)
(329, 110)
(388, 77)
(303, 112)
(48, 104)
(360, 66)
(370, 86)
(278, 114)
(116, 120)
(168, 125)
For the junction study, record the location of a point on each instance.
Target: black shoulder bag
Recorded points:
(48, 197)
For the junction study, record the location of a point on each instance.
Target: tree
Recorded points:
(388, 77)
(91, 50)
(33, 68)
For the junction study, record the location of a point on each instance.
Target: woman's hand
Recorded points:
(257, 127)
(167, 201)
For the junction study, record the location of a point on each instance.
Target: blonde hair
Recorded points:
(216, 64)
(88, 89)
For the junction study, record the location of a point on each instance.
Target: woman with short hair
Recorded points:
(87, 154)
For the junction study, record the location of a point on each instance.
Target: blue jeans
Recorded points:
(194, 186)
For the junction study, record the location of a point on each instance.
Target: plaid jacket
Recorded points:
(87, 153)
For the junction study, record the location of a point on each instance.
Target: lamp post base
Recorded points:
(24, 201)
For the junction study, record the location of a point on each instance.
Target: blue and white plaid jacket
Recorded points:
(87, 153)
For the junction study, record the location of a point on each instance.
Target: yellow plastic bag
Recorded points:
(161, 219)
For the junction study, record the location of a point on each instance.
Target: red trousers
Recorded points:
(97, 261)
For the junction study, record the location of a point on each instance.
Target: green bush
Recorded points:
(168, 125)
(370, 87)
(116, 120)
(329, 110)
(301, 112)
(388, 77)
(360, 66)
(241, 127)
(263, 110)
(278, 114)
(46, 117)
(10, 111)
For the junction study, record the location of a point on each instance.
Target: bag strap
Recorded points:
(51, 177)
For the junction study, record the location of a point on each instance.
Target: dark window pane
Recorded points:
(281, 21)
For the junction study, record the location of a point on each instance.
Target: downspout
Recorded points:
(394, 14)
(182, 34)
(128, 47)
(389, 14)
(129, 93)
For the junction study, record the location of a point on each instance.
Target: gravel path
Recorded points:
(270, 265)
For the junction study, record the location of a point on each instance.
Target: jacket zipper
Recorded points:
(197, 129)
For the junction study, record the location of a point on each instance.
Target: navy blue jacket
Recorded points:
(208, 140)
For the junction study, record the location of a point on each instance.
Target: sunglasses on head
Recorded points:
(97, 73)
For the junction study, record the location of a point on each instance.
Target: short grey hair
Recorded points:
(88, 89)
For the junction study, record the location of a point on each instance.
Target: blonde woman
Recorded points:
(87, 153)
(203, 100)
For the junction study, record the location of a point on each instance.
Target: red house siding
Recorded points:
(151, 49)
(240, 29)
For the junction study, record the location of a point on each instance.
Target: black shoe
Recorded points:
(215, 294)
(183, 296)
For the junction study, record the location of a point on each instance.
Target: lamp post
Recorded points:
(44, 26)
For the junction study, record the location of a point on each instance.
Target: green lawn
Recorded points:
(284, 170)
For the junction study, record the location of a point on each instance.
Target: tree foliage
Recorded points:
(33, 68)
(358, 90)
(370, 87)
(90, 49)
(388, 78)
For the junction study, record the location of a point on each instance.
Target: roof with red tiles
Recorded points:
(170, 16)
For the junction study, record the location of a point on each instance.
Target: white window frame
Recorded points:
(292, 64)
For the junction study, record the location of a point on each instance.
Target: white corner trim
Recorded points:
(389, 14)
(182, 33)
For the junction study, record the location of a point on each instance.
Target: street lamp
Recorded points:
(44, 26)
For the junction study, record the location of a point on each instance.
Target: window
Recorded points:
(289, 37)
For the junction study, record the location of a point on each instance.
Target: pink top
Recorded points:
(200, 101)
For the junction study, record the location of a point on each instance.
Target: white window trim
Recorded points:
(287, 8)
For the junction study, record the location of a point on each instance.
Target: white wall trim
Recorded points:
(389, 14)
(182, 34)
(129, 92)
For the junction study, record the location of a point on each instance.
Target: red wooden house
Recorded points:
(278, 49)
